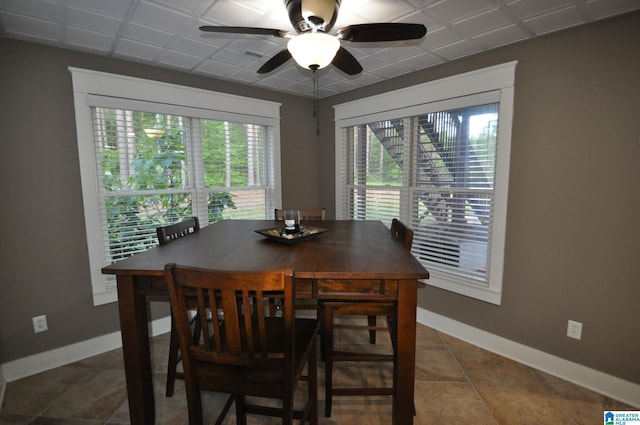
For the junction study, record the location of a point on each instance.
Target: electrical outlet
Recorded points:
(574, 329)
(40, 324)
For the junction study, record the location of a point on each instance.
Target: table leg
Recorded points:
(406, 362)
(137, 357)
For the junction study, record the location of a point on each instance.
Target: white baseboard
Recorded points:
(610, 386)
(27, 366)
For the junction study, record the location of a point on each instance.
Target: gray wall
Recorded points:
(573, 198)
(573, 226)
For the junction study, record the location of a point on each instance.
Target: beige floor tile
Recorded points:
(518, 403)
(446, 403)
(436, 363)
(112, 359)
(32, 395)
(96, 396)
(11, 419)
(584, 406)
(426, 337)
(362, 410)
(483, 366)
(453, 341)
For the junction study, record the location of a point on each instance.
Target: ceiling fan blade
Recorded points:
(346, 62)
(382, 32)
(277, 60)
(245, 30)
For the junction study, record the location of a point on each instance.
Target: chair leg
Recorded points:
(194, 403)
(241, 412)
(174, 354)
(327, 351)
(312, 370)
(173, 360)
(321, 318)
(372, 329)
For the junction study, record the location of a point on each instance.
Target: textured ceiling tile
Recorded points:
(232, 14)
(147, 35)
(190, 46)
(605, 8)
(482, 23)
(178, 59)
(526, 9)
(554, 21)
(454, 10)
(399, 53)
(113, 8)
(134, 49)
(392, 10)
(160, 17)
(90, 40)
(372, 61)
(236, 57)
(421, 61)
(217, 69)
(501, 36)
(28, 26)
(37, 9)
(187, 6)
(244, 76)
(458, 49)
(389, 70)
(441, 37)
(81, 18)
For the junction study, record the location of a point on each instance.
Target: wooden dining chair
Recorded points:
(167, 234)
(249, 353)
(175, 231)
(332, 309)
(308, 214)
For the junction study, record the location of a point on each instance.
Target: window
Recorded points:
(154, 153)
(437, 157)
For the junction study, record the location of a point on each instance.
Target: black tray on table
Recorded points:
(278, 234)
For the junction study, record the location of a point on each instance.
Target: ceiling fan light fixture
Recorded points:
(313, 50)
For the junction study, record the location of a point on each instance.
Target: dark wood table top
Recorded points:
(348, 250)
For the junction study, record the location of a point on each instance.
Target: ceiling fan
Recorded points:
(313, 47)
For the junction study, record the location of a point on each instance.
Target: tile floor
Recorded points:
(456, 384)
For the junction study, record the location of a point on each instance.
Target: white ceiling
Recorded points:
(165, 33)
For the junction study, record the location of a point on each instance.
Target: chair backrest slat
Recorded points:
(175, 231)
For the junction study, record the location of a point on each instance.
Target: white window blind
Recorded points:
(434, 164)
(147, 163)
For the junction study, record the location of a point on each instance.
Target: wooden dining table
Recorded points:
(360, 252)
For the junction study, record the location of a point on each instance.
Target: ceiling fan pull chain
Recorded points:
(316, 101)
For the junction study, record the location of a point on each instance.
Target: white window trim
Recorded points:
(402, 102)
(88, 83)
